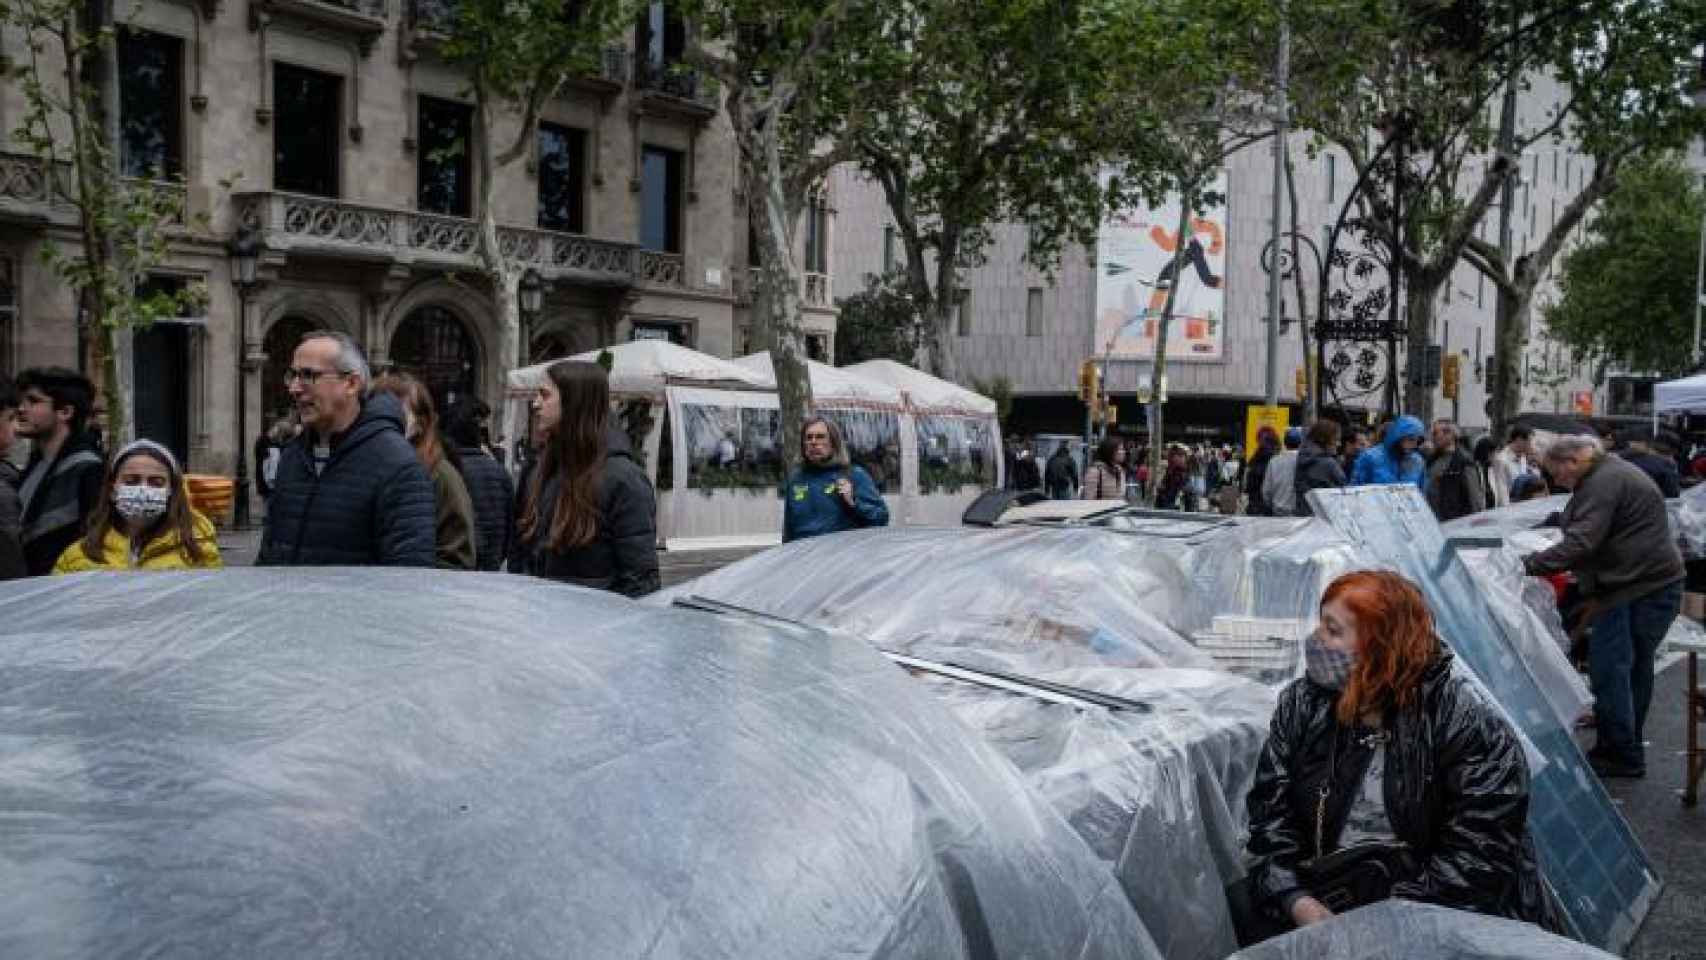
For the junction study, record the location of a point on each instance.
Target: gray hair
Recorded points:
(350, 358)
(837, 446)
(1449, 426)
(1569, 446)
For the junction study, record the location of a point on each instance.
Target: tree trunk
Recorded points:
(504, 276)
(1187, 202)
(947, 304)
(1510, 345)
(1418, 396)
(779, 322)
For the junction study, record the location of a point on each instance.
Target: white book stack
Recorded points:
(1261, 646)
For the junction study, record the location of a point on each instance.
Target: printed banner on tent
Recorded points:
(1134, 270)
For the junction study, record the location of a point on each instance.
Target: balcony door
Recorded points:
(308, 118)
(150, 90)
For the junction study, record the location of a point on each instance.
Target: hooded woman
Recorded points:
(145, 521)
(453, 518)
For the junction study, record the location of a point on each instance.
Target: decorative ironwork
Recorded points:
(24, 179)
(662, 269)
(338, 221)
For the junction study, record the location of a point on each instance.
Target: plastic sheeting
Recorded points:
(1603, 878)
(1427, 932)
(1157, 794)
(367, 763)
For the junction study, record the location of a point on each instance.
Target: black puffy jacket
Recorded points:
(493, 493)
(1317, 469)
(372, 505)
(624, 556)
(1456, 793)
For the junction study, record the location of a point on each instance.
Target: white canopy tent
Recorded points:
(1687, 395)
(923, 391)
(957, 440)
(829, 384)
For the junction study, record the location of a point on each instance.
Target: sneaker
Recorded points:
(1609, 768)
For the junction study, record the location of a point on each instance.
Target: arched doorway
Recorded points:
(433, 345)
(280, 346)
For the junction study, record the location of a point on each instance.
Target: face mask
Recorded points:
(141, 503)
(1328, 667)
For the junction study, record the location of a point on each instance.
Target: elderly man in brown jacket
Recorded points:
(1618, 542)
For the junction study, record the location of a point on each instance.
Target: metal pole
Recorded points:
(1699, 289)
(240, 511)
(1282, 69)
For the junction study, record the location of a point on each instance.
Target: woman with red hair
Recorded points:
(1386, 774)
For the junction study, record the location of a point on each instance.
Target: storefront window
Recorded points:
(873, 442)
(954, 453)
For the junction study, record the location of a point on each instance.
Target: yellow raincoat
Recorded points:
(164, 552)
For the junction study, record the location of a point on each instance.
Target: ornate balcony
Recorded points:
(672, 89)
(325, 227)
(363, 19)
(659, 269)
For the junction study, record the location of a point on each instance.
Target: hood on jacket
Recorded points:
(617, 444)
(1406, 426)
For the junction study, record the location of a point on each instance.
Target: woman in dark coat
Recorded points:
(1382, 743)
(590, 517)
(1267, 446)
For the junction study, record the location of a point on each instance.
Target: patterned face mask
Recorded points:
(1328, 667)
(141, 503)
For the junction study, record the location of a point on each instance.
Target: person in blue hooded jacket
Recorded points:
(827, 494)
(1396, 460)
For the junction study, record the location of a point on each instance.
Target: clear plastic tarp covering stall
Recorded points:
(955, 453)
(384, 763)
(1426, 932)
(873, 442)
(1157, 791)
(1603, 878)
(731, 448)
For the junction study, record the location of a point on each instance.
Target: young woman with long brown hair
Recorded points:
(589, 514)
(1383, 749)
(145, 521)
(453, 524)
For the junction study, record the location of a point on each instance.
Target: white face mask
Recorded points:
(141, 503)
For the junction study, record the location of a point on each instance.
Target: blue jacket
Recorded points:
(1386, 464)
(372, 505)
(811, 507)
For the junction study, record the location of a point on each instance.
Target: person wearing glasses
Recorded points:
(145, 521)
(62, 483)
(828, 494)
(349, 490)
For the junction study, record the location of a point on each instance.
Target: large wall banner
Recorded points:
(1134, 269)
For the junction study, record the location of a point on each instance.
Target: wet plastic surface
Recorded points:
(363, 763)
(1426, 932)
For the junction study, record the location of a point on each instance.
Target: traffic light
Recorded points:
(1302, 385)
(1089, 382)
(1449, 372)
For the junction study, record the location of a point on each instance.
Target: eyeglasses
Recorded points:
(309, 375)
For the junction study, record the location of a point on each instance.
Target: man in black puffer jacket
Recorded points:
(491, 490)
(350, 490)
(1318, 464)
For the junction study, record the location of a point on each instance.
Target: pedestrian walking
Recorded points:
(453, 510)
(350, 490)
(1396, 459)
(11, 510)
(1317, 464)
(589, 516)
(1454, 486)
(1174, 487)
(1618, 542)
(62, 484)
(1256, 474)
(1105, 478)
(145, 520)
(827, 494)
(491, 490)
(1279, 485)
(1514, 459)
(1026, 474)
(1061, 474)
(1352, 446)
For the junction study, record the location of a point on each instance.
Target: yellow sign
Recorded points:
(1257, 417)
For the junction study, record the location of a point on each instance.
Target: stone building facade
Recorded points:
(331, 129)
(1036, 330)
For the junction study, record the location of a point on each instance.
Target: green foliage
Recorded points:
(520, 52)
(1628, 291)
(606, 359)
(999, 389)
(876, 323)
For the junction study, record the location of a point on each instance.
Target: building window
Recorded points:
(442, 162)
(660, 39)
(307, 115)
(1332, 177)
(150, 91)
(817, 236)
(562, 178)
(660, 199)
(1034, 312)
(888, 249)
(675, 333)
(962, 311)
(817, 347)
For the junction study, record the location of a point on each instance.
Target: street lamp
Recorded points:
(531, 293)
(245, 250)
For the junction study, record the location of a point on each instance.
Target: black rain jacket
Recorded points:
(623, 558)
(1317, 469)
(493, 493)
(1456, 793)
(372, 505)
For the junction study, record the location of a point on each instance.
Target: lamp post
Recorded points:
(531, 295)
(245, 252)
